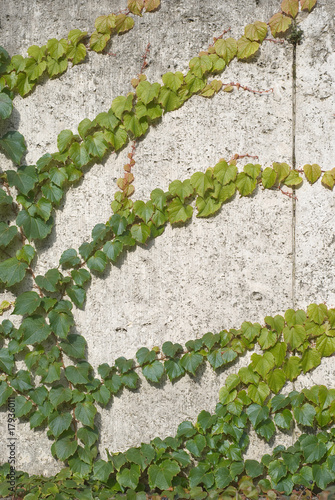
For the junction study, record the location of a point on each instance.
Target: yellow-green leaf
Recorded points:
(246, 48)
(290, 7)
(279, 23)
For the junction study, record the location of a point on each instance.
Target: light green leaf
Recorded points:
(147, 92)
(227, 49)
(312, 172)
(179, 212)
(256, 31)
(245, 184)
(173, 81)
(246, 48)
(283, 419)
(310, 359)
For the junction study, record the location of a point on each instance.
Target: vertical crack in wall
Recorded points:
(294, 202)
(294, 115)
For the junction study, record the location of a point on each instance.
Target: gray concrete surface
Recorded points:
(243, 264)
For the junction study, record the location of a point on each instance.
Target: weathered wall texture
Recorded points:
(256, 257)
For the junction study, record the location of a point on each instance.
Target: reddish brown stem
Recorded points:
(244, 87)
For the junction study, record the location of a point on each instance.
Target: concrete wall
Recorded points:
(256, 257)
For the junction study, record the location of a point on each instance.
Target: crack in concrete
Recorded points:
(294, 115)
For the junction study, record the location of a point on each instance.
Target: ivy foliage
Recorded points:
(57, 389)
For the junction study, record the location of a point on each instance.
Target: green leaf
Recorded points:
(102, 470)
(22, 406)
(65, 447)
(121, 104)
(312, 172)
(35, 330)
(173, 369)
(6, 106)
(34, 228)
(279, 23)
(96, 144)
(227, 49)
(292, 367)
(263, 364)
(49, 281)
(256, 31)
(140, 232)
(59, 395)
(245, 184)
(147, 91)
(85, 413)
(77, 53)
(277, 470)
(200, 475)
(77, 374)
(56, 48)
(253, 468)
(258, 393)
(161, 475)
(97, 262)
(305, 414)
(276, 380)
(79, 155)
(267, 339)
(317, 313)
(113, 249)
(56, 67)
(257, 414)
(23, 84)
(202, 182)
(80, 276)
(283, 419)
(222, 477)
(7, 234)
(179, 212)
(52, 192)
(293, 179)
(225, 173)
(325, 345)
(322, 475)
(153, 371)
(74, 346)
(294, 336)
(246, 48)
(200, 65)
(13, 145)
(123, 23)
(27, 303)
(282, 170)
(59, 422)
(191, 361)
(311, 358)
(169, 99)
(313, 449)
(60, 322)
(12, 271)
(197, 445)
(173, 81)
(64, 140)
(269, 177)
(69, 258)
(5, 390)
(6, 360)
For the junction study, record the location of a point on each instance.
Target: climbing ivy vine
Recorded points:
(206, 458)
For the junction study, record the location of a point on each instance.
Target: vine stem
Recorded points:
(244, 87)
